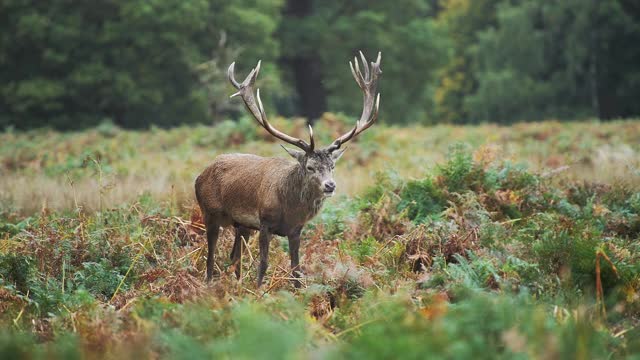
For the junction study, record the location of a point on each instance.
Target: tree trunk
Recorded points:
(593, 76)
(307, 70)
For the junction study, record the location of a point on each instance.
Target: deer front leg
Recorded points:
(294, 247)
(212, 238)
(265, 238)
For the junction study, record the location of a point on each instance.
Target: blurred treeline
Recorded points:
(72, 64)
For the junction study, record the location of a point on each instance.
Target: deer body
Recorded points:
(249, 190)
(273, 195)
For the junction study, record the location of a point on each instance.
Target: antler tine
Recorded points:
(248, 81)
(373, 117)
(371, 102)
(364, 64)
(356, 62)
(245, 90)
(355, 75)
(263, 115)
(312, 142)
(232, 77)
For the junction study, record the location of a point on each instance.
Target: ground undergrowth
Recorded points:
(483, 257)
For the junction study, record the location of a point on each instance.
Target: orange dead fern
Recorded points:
(599, 292)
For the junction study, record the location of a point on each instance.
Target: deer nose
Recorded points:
(329, 186)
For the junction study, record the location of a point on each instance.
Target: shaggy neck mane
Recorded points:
(301, 194)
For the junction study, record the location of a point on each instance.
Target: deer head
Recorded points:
(317, 164)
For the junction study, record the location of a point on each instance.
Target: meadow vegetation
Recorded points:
(452, 242)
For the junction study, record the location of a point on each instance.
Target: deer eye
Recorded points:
(310, 168)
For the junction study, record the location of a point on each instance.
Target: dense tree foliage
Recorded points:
(569, 59)
(462, 20)
(403, 30)
(72, 64)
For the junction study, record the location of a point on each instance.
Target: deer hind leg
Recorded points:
(213, 229)
(294, 247)
(238, 246)
(264, 239)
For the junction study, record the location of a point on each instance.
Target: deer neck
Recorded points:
(303, 196)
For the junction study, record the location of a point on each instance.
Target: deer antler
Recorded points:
(245, 90)
(368, 83)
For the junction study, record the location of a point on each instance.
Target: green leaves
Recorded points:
(132, 62)
(547, 59)
(163, 62)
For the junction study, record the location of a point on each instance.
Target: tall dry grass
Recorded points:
(99, 168)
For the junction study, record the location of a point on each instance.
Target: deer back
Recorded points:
(243, 189)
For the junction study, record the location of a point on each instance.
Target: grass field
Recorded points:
(447, 242)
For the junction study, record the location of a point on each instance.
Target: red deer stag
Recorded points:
(274, 195)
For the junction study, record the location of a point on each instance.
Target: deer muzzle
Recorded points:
(329, 187)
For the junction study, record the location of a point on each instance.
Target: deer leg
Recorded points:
(265, 238)
(212, 239)
(294, 247)
(238, 245)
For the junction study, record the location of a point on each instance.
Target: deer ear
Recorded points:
(298, 155)
(336, 154)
